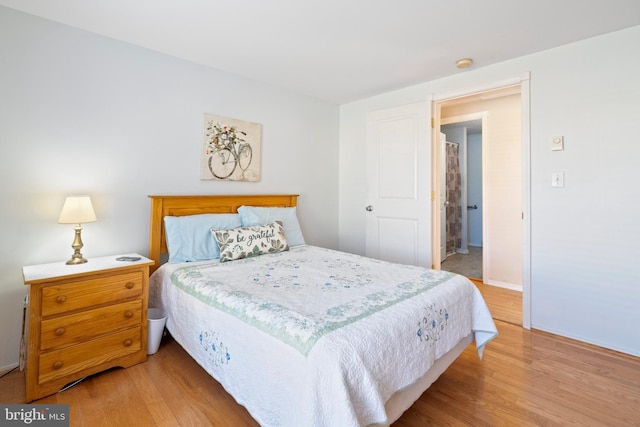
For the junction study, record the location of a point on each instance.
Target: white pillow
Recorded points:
(251, 241)
(189, 237)
(253, 215)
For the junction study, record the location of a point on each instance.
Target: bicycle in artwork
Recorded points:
(227, 150)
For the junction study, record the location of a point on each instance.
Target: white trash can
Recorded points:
(157, 318)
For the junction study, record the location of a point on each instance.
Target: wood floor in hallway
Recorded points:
(504, 304)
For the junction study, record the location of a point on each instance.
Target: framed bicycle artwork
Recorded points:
(231, 149)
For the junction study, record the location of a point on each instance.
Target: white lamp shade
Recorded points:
(77, 210)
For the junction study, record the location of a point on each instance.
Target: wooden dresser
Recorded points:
(83, 319)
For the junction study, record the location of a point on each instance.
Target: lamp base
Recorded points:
(79, 259)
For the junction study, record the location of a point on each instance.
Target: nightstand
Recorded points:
(83, 319)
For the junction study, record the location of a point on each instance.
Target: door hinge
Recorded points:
(433, 195)
(433, 123)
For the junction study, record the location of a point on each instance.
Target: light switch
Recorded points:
(557, 143)
(557, 179)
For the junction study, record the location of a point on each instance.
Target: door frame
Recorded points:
(524, 82)
(442, 247)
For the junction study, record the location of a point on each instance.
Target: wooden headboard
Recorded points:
(162, 206)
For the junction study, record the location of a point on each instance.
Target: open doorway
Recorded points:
(462, 177)
(499, 245)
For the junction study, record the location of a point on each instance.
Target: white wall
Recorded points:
(80, 113)
(585, 283)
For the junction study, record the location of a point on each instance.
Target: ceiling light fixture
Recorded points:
(464, 63)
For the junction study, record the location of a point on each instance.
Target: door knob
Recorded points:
(369, 208)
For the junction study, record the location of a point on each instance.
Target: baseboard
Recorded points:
(504, 285)
(8, 368)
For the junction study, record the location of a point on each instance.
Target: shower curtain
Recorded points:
(454, 195)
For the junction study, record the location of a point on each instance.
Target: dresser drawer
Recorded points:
(95, 290)
(59, 363)
(82, 326)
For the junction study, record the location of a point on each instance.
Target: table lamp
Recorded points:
(77, 210)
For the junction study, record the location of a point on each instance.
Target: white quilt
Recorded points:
(315, 337)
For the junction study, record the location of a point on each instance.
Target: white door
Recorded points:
(398, 219)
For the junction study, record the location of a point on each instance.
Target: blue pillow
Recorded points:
(189, 237)
(253, 215)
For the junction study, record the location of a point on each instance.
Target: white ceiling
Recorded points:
(341, 50)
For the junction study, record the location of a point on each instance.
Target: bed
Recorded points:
(302, 335)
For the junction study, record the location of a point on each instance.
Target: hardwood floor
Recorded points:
(504, 304)
(527, 378)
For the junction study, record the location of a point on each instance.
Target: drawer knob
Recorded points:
(57, 364)
(130, 285)
(59, 332)
(61, 299)
(127, 342)
(128, 314)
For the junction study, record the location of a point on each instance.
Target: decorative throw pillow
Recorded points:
(246, 242)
